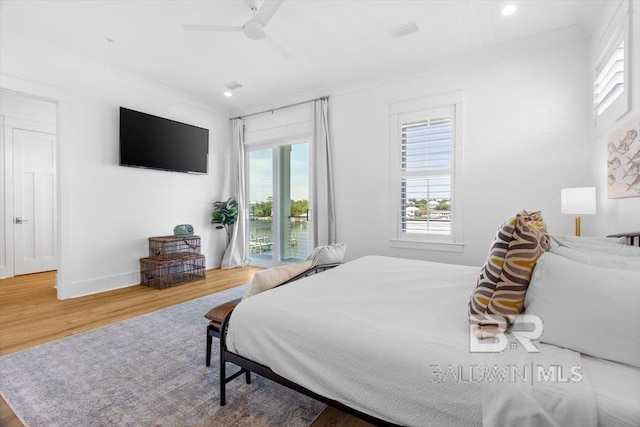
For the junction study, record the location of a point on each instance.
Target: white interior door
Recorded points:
(34, 222)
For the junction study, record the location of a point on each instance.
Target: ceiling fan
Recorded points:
(254, 29)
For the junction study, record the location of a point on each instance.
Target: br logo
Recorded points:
(525, 328)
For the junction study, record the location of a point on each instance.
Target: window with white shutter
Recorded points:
(612, 57)
(425, 172)
(609, 83)
(425, 148)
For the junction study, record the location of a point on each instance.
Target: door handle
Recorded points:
(19, 220)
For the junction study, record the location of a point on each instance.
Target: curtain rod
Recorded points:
(271, 110)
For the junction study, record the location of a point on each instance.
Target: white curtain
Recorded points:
(236, 253)
(322, 215)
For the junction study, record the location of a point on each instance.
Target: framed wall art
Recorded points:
(623, 160)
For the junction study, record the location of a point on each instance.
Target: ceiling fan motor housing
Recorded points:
(254, 30)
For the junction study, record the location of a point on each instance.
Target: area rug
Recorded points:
(145, 371)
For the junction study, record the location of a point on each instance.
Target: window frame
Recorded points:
(410, 108)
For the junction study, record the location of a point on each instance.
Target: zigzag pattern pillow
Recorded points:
(504, 278)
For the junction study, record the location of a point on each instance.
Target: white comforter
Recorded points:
(386, 336)
(549, 388)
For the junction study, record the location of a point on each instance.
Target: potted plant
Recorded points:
(225, 214)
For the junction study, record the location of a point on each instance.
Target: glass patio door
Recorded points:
(278, 204)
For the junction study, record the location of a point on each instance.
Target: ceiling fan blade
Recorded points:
(267, 10)
(284, 50)
(196, 27)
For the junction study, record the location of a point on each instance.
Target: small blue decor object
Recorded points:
(183, 230)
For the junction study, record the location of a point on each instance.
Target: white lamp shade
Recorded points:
(578, 201)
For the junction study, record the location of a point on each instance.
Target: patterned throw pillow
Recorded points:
(504, 278)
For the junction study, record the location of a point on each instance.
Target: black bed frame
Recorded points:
(247, 366)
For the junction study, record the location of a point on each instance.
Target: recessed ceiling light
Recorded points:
(509, 9)
(228, 94)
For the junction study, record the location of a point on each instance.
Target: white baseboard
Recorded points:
(100, 284)
(83, 288)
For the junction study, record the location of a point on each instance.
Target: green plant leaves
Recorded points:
(225, 213)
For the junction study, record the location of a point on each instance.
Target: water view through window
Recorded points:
(425, 184)
(279, 203)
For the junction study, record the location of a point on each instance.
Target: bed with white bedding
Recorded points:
(390, 338)
(370, 334)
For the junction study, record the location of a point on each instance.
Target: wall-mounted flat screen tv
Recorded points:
(148, 141)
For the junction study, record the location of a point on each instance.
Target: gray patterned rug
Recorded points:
(145, 371)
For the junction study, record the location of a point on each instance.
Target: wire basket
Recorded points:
(171, 247)
(161, 274)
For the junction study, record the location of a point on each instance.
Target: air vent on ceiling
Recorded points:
(403, 30)
(233, 85)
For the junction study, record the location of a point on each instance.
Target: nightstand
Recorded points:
(633, 239)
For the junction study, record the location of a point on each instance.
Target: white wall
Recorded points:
(27, 108)
(526, 136)
(615, 215)
(108, 211)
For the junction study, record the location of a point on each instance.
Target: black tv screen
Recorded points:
(148, 141)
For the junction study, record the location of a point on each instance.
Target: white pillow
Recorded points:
(268, 278)
(332, 254)
(568, 240)
(607, 245)
(599, 259)
(589, 309)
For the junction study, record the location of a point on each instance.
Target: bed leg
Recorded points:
(247, 375)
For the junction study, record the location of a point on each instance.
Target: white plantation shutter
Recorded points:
(609, 83)
(426, 168)
(426, 145)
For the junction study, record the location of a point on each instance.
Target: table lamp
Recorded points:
(578, 201)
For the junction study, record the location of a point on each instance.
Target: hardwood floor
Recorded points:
(332, 417)
(31, 314)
